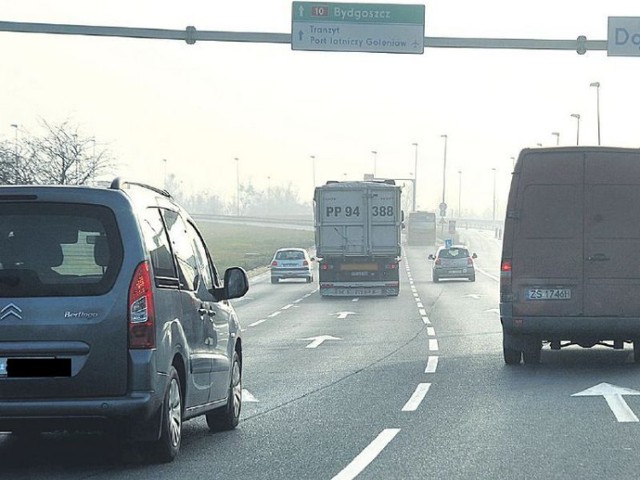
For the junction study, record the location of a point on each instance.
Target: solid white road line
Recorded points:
(417, 397)
(492, 277)
(258, 322)
(368, 455)
(275, 314)
(287, 307)
(432, 364)
(433, 345)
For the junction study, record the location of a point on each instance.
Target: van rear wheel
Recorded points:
(511, 356)
(532, 351)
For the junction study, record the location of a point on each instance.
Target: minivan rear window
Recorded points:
(57, 249)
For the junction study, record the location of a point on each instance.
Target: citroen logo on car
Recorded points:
(11, 309)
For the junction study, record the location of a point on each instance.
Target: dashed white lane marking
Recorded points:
(415, 294)
(492, 277)
(298, 300)
(431, 332)
(287, 307)
(417, 397)
(355, 299)
(420, 305)
(368, 455)
(248, 397)
(258, 322)
(432, 364)
(422, 312)
(275, 314)
(426, 320)
(433, 344)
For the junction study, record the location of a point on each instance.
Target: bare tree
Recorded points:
(61, 156)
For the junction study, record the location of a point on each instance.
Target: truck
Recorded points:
(421, 228)
(357, 232)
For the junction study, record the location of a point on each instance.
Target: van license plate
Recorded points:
(549, 294)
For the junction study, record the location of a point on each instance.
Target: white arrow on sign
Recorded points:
(613, 395)
(344, 314)
(319, 340)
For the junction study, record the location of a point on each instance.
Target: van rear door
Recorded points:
(612, 234)
(547, 241)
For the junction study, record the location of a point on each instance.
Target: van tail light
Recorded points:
(506, 294)
(142, 331)
(506, 265)
(274, 264)
(325, 266)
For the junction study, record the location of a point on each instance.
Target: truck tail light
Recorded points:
(325, 266)
(506, 265)
(142, 330)
(391, 266)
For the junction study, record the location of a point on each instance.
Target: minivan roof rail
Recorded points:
(119, 182)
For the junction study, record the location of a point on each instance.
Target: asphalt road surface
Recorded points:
(407, 387)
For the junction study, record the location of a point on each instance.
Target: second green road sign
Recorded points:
(357, 27)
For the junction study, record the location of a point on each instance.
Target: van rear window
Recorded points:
(57, 249)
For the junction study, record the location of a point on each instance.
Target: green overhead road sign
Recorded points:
(357, 27)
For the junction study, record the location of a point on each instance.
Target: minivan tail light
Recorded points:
(142, 331)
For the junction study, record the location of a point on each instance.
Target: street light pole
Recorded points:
(313, 169)
(15, 159)
(237, 186)
(577, 117)
(494, 194)
(597, 85)
(444, 168)
(415, 175)
(459, 193)
(375, 163)
(557, 135)
(164, 161)
(513, 163)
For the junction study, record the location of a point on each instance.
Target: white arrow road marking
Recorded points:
(344, 314)
(319, 340)
(613, 395)
(368, 455)
(432, 364)
(417, 397)
(247, 397)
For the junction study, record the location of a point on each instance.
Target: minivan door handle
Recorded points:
(598, 257)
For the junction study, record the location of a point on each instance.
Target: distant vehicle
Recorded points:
(113, 316)
(357, 230)
(291, 263)
(421, 228)
(453, 262)
(570, 262)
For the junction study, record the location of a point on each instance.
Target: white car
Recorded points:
(291, 263)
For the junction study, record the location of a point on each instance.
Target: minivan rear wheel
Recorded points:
(228, 417)
(167, 446)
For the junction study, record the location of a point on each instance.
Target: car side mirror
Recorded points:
(474, 256)
(313, 259)
(236, 284)
(431, 257)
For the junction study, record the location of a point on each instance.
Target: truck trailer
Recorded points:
(357, 232)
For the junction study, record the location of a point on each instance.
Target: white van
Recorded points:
(570, 271)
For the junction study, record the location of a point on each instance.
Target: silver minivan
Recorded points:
(113, 316)
(570, 271)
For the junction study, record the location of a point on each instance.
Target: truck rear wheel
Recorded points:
(511, 356)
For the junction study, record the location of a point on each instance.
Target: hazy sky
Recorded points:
(200, 106)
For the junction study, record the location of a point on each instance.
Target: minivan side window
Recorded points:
(182, 248)
(157, 243)
(208, 273)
